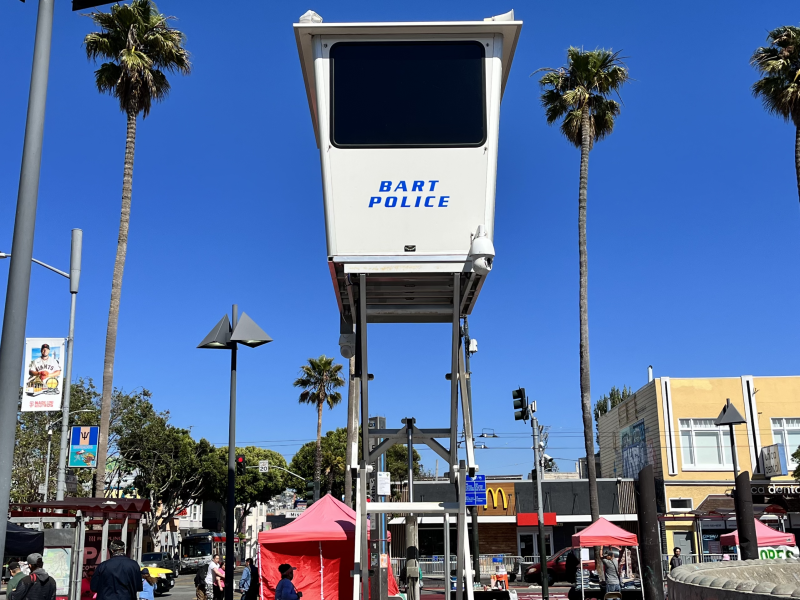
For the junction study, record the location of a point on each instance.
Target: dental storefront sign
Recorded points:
(773, 461)
(778, 552)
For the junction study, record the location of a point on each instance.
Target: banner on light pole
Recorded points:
(83, 446)
(44, 377)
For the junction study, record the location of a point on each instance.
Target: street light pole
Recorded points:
(12, 341)
(537, 458)
(230, 507)
(74, 281)
(226, 335)
(47, 468)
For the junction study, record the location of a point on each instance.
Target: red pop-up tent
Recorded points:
(766, 536)
(605, 533)
(321, 544)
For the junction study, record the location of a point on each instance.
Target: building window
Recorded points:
(680, 504)
(787, 433)
(704, 445)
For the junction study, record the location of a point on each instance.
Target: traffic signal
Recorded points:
(520, 404)
(241, 464)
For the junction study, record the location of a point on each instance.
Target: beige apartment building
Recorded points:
(669, 423)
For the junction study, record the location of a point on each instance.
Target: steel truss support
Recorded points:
(458, 470)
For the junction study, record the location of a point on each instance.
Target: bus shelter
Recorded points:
(86, 526)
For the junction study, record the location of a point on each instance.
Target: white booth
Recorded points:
(406, 117)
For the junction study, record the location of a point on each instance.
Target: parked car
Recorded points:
(162, 560)
(557, 567)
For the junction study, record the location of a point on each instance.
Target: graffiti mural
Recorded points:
(633, 441)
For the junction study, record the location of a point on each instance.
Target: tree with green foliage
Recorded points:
(778, 63)
(140, 48)
(253, 487)
(166, 465)
(319, 380)
(577, 97)
(609, 401)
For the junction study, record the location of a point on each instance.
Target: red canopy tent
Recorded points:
(604, 533)
(766, 536)
(321, 544)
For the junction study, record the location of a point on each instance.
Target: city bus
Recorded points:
(198, 548)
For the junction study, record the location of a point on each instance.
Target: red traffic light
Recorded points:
(240, 459)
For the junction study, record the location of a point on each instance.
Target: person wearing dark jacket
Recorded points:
(255, 583)
(36, 586)
(119, 577)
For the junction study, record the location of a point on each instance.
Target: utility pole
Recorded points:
(539, 470)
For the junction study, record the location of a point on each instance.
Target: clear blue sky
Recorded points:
(693, 220)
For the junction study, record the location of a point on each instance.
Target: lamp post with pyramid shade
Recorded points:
(225, 336)
(742, 497)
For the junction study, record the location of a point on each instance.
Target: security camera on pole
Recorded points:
(524, 410)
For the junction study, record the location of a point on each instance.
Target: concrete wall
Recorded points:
(736, 580)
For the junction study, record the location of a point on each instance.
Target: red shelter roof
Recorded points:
(326, 520)
(604, 533)
(766, 536)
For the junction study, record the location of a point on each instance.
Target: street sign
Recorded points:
(83, 446)
(476, 490)
(384, 483)
(263, 466)
(71, 480)
(773, 460)
(42, 488)
(497, 559)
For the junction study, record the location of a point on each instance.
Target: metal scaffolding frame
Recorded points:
(409, 434)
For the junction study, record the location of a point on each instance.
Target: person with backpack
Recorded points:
(36, 586)
(611, 570)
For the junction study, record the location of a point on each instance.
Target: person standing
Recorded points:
(36, 586)
(212, 566)
(285, 589)
(255, 582)
(675, 561)
(244, 582)
(119, 577)
(148, 586)
(16, 576)
(611, 570)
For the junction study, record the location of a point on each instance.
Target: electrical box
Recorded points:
(406, 117)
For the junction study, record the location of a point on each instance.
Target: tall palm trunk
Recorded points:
(113, 309)
(586, 394)
(797, 156)
(318, 458)
(586, 391)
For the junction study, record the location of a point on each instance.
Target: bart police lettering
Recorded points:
(421, 201)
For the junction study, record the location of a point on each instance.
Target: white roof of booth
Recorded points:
(303, 33)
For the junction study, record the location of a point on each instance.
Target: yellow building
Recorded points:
(669, 423)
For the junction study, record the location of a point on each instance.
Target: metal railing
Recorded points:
(434, 566)
(690, 559)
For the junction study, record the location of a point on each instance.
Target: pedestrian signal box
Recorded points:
(406, 117)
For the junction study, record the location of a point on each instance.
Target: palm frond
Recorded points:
(144, 47)
(584, 83)
(779, 65)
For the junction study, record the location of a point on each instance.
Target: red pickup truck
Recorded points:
(557, 567)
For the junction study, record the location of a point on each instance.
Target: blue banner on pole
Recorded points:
(83, 446)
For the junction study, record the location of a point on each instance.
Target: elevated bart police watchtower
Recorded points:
(406, 117)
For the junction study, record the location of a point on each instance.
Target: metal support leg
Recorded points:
(358, 559)
(454, 378)
(466, 412)
(447, 567)
(362, 500)
(460, 469)
(363, 372)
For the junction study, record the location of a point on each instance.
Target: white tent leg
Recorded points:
(357, 562)
(321, 575)
(583, 583)
(468, 566)
(639, 564)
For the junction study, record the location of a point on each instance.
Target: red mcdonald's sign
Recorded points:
(532, 519)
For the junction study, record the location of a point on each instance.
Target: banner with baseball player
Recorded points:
(44, 377)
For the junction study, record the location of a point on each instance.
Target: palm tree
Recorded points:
(140, 48)
(779, 88)
(577, 96)
(319, 380)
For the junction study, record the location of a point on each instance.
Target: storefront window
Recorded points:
(787, 433)
(703, 444)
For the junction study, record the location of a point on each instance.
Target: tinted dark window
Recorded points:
(407, 94)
